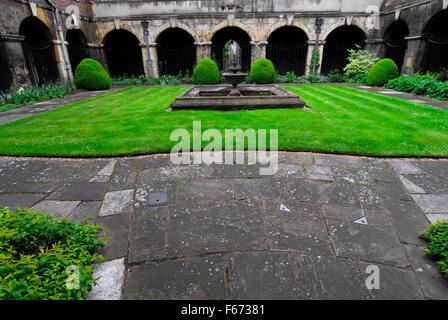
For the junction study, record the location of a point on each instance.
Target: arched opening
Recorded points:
(176, 52)
(38, 50)
(287, 48)
(77, 47)
(123, 53)
(395, 42)
(338, 42)
(436, 53)
(221, 37)
(5, 73)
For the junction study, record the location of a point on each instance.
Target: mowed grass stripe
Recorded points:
(134, 121)
(381, 106)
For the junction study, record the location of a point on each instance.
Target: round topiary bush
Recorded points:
(262, 71)
(91, 75)
(383, 71)
(206, 72)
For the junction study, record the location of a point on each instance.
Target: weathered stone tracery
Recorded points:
(381, 22)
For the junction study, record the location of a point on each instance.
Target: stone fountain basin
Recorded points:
(215, 97)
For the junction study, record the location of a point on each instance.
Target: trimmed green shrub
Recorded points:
(437, 237)
(383, 71)
(359, 62)
(91, 75)
(262, 71)
(43, 258)
(206, 72)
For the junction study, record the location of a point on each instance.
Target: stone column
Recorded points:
(376, 46)
(154, 59)
(311, 47)
(258, 50)
(413, 58)
(203, 50)
(59, 56)
(96, 52)
(16, 60)
(145, 61)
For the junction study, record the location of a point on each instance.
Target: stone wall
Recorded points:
(201, 19)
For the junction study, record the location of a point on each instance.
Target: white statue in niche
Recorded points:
(232, 56)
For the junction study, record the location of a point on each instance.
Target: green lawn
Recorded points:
(134, 121)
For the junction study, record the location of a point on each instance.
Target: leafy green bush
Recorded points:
(206, 72)
(360, 78)
(359, 62)
(290, 77)
(336, 76)
(262, 71)
(420, 84)
(142, 80)
(437, 237)
(11, 99)
(91, 75)
(35, 251)
(383, 71)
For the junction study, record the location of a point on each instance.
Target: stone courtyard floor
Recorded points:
(226, 232)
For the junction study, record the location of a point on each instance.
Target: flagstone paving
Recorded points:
(311, 231)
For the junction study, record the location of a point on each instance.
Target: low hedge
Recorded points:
(383, 71)
(262, 71)
(437, 237)
(37, 252)
(206, 72)
(91, 75)
(421, 85)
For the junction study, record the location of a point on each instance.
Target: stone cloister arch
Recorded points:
(38, 49)
(77, 47)
(176, 51)
(287, 48)
(395, 42)
(337, 44)
(436, 42)
(123, 54)
(222, 36)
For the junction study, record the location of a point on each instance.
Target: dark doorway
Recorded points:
(395, 42)
(287, 48)
(436, 53)
(5, 73)
(38, 50)
(338, 42)
(221, 37)
(77, 47)
(124, 54)
(176, 52)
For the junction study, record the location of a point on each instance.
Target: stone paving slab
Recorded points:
(110, 275)
(221, 227)
(81, 191)
(227, 232)
(432, 282)
(314, 172)
(189, 279)
(367, 242)
(300, 229)
(432, 203)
